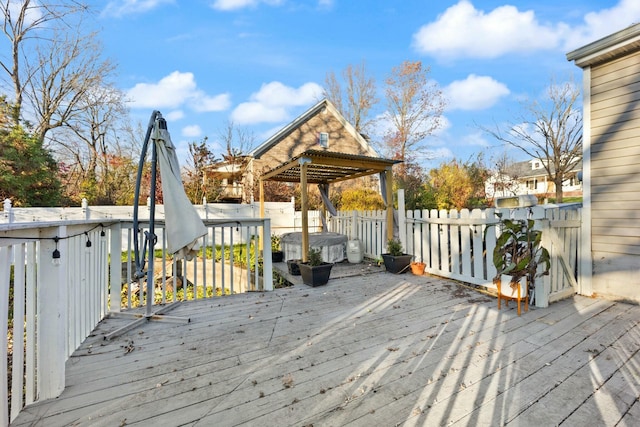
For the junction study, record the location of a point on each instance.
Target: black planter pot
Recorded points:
(277, 256)
(293, 266)
(316, 275)
(398, 263)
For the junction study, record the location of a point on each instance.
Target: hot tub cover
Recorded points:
(315, 239)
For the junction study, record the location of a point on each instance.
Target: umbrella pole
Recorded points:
(150, 239)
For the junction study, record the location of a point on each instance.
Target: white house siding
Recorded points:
(615, 177)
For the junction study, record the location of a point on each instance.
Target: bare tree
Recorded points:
(357, 98)
(28, 23)
(505, 178)
(93, 142)
(414, 108)
(65, 81)
(550, 130)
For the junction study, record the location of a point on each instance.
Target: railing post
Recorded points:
(267, 267)
(52, 312)
(115, 267)
(4, 309)
(543, 289)
(402, 219)
(204, 207)
(8, 211)
(354, 225)
(85, 209)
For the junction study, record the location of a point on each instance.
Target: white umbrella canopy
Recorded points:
(183, 225)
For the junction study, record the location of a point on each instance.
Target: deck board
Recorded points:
(365, 350)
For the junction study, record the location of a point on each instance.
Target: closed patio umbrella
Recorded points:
(183, 224)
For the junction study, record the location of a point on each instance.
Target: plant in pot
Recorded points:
(293, 266)
(519, 258)
(395, 260)
(276, 254)
(315, 272)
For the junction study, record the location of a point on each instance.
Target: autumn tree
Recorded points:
(360, 199)
(459, 185)
(414, 109)
(550, 130)
(354, 97)
(28, 171)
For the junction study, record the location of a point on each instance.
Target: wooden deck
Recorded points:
(373, 349)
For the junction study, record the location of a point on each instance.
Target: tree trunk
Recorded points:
(558, 183)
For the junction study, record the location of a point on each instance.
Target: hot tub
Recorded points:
(332, 245)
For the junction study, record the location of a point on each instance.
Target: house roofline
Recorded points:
(285, 131)
(607, 47)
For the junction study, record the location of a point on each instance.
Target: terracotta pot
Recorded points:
(417, 268)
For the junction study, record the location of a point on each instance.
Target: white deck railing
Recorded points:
(54, 302)
(453, 243)
(62, 304)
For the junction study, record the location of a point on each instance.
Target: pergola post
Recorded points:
(325, 167)
(261, 231)
(389, 178)
(304, 199)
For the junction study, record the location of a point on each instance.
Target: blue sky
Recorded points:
(261, 63)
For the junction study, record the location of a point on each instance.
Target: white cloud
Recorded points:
(476, 139)
(273, 102)
(240, 4)
(191, 131)
(204, 103)
(119, 8)
(474, 93)
(325, 4)
(464, 31)
(604, 22)
(174, 115)
(175, 90)
(254, 112)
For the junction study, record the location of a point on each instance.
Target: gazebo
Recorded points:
(326, 167)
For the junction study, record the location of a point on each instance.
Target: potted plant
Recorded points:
(395, 260)
(519, 258)
(293, 265)
(315, 272)
(276, 254)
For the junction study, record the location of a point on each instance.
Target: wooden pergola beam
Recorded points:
(322, 167)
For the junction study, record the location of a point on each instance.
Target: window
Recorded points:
(532, 184)
(324, 139)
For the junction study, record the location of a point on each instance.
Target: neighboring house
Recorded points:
(321, 127)
(611, 163)
(530, 177)
(229, 176)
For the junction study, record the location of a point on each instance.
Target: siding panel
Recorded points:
(615, 156)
